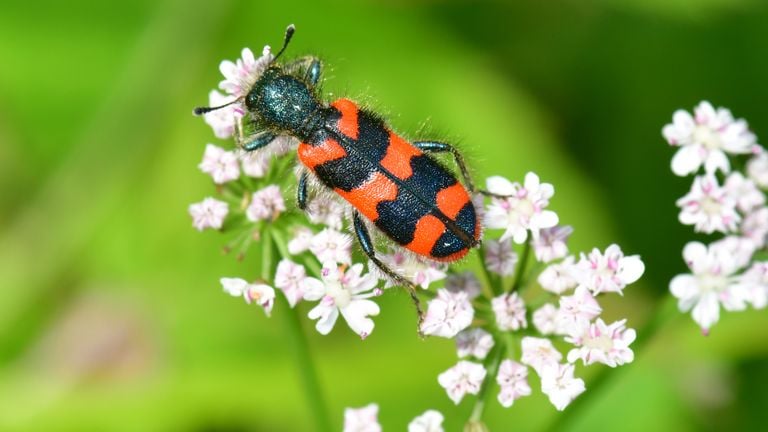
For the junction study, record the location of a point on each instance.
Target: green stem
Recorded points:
(299, 342)
(520, 273)
(494, 282)
(492, 368)
(665, 311)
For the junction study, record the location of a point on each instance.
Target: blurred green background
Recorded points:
(111, 315)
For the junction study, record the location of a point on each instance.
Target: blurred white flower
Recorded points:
(266, 204)
(291, 278)
(558, 278)
(610, 271)
(513, 382)
(755, 227)
(327, 211)
(331, 245)
(601, 343)
(499, 256)
(220, 164)
(551, 243)
(708, 207)
(430, 421)
(559, 384)
(364, 419)
(743, 192)
(510, 312)
(705, 138)
(262, 295)
(464, 378)
(244, 72)
(346, 293)
(545, 319)
(447, 314)
(222, 120)
(420, 271)
(474, 342)
(255, 163)
(577, 310)
(539, 353)
(301, 240)
(740, 249)
(757, 168)
(754, 283)
(209, 213)
(524, 209)
(466, 282)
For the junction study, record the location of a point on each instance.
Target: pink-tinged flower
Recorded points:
(209, 213)
(241, 75)
(346, 293)
(510, 312)
(430, 421)
(546, 321)
(416, 269)
(474, 342)
(464, 378)
(464, 282)
(291, 278)
(705, 138)
(539, 353)
(331, 245)
(266, 204)
(708, 207)
(447, 314)
(223, 120)
(757, 168)
(513, 382)
(220, 164)
(255, 163)
(744, 192)
(740, 249)
(558, 278)
(755, 227)
(711, 283)
(601, 343)
(499, 257)
(551, 243)
(363, 419)
(610, 271)
(524, 210)
(327, 211)
(262, 295)
(301, 240)
(577, 310)
(560, 385)
(754, 283)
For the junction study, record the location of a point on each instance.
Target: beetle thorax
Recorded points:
(282, 101)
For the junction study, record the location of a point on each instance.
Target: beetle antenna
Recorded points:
(288, 35)
(203, 110)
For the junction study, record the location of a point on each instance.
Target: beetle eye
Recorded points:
(251, 99)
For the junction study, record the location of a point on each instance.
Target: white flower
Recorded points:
(601, 343)
(346, 293)
(545, 319)
(430, 421)
(705, 138)
(711, 284)
(466, 282)
(292, 279)
(708, 207)
(551, 243)
(510, 312)
(325, 210)
(447, 314)
(740, 249)
(241, 75)
(223, 120)
(743, 192)
(755, 227)
(559, 384)
(754, 283)
(261, 294)
(362, 419)
(220, 164)
(757, 168)
(266, 204)
(465, 377)
(474, 342)
(513, 382)
(539, 353)
(524, 209)
(418, 270)
(255, 163)
(301, 240)
(499, 257)
(558, 278)
(331, 245)
(209, 213)
(577, 310)
(608, 272)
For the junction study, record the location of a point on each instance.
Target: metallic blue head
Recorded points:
(281, 101)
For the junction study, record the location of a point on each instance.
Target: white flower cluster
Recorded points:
(365, 419)
(572, 314)
(725, 273)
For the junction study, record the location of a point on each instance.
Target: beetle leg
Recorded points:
(364, 238)
(301, 193)
(441, 147)
(310, 66)
(256, 141)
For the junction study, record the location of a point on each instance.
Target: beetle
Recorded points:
(393, 185)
